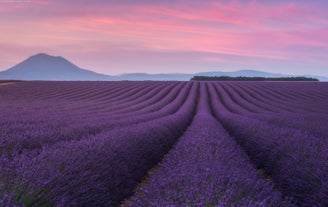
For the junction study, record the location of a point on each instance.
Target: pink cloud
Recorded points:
(248, 14)
(249, 29)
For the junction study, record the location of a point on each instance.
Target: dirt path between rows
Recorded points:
(2, 84)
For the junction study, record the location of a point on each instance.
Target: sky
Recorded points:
(165, 36)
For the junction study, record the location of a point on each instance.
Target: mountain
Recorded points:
(154, 77)
(46, 67)
(321, 78)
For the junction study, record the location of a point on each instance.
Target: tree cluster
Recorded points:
(245, 78)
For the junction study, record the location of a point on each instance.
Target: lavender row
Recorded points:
(138, 103)
(230, 104)
(296, 161)
(306, 104)
(270, 97)
(240, 99)
(100, 170)
(103, 108)
(205, 168)
(27, 135)
(303, 120)
(68, 90)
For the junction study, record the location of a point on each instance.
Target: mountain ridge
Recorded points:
(42, 66)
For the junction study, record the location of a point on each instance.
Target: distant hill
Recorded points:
(154, 77)
(246, 73)
(47, 67)
(186, 76)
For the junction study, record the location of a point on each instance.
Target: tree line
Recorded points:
(245, 78)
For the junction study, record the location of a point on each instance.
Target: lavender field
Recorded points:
(151, 143)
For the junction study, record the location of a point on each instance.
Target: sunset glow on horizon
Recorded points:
(182, 36)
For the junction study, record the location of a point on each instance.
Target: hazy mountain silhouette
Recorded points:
(47, 67)
(247, 73)
(155, 77)
(186, 76)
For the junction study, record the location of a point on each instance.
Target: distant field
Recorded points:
(164, 144)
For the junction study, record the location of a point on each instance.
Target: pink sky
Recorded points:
(123, 36)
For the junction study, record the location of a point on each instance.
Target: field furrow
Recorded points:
(205, 168)
(294, 160)
(107, 165)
